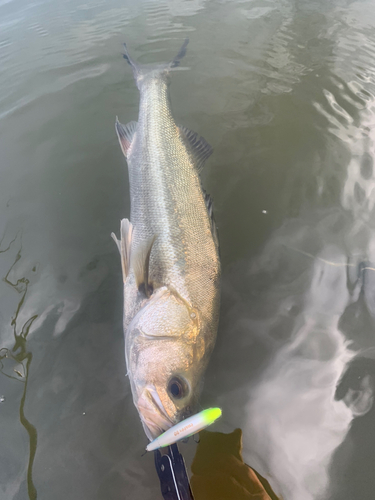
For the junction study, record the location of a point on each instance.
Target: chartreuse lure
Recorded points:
(186, 428)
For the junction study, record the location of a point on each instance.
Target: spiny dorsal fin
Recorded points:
(125, 134)
(198, 145)
(209, 205)
(124, 245)
(140, 264)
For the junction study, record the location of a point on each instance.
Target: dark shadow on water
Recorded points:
(21, 356)
(33, 437)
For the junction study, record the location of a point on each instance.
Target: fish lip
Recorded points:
(152, 413)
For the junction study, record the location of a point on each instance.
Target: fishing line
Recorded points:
(330, 262)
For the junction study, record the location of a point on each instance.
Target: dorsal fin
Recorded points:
(125, 134)
(209, 205)
(198, 146)
(124, 245)
(140, 264)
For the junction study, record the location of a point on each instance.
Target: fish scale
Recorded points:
(167, 201)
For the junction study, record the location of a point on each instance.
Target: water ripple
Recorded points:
(58, 85)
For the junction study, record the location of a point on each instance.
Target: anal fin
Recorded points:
(199, 147)
(125, 134)
(124, 245)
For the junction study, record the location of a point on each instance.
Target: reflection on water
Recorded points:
(294, 422)
(15, 363)
(292, 414)
(350, 468)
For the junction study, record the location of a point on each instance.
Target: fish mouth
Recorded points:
(154, 418)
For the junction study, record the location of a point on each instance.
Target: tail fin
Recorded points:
(139, 68)
(126, 56)
(133, 64)
(176, 61)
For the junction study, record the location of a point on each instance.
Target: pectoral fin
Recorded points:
(125, 134)
(199, 147)
(208, 201)
(124, 245)
(140, 264)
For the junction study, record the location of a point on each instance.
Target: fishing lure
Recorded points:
(186, 428)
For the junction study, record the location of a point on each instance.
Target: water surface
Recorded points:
(284, 92)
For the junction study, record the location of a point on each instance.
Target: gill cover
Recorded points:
(166, 315)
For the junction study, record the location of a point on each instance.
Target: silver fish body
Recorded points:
(170, 259)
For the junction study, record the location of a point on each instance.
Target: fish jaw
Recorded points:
(153, 415)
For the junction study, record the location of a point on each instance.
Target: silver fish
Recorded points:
(169, 255)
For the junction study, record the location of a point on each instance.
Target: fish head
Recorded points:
(165, 358)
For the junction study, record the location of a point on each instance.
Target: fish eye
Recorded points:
(177, 388)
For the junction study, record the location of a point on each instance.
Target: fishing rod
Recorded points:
(173, 477)
(171, 469)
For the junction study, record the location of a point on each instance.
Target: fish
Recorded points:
(169, 256)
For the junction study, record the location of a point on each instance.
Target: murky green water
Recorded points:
(284, 92)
